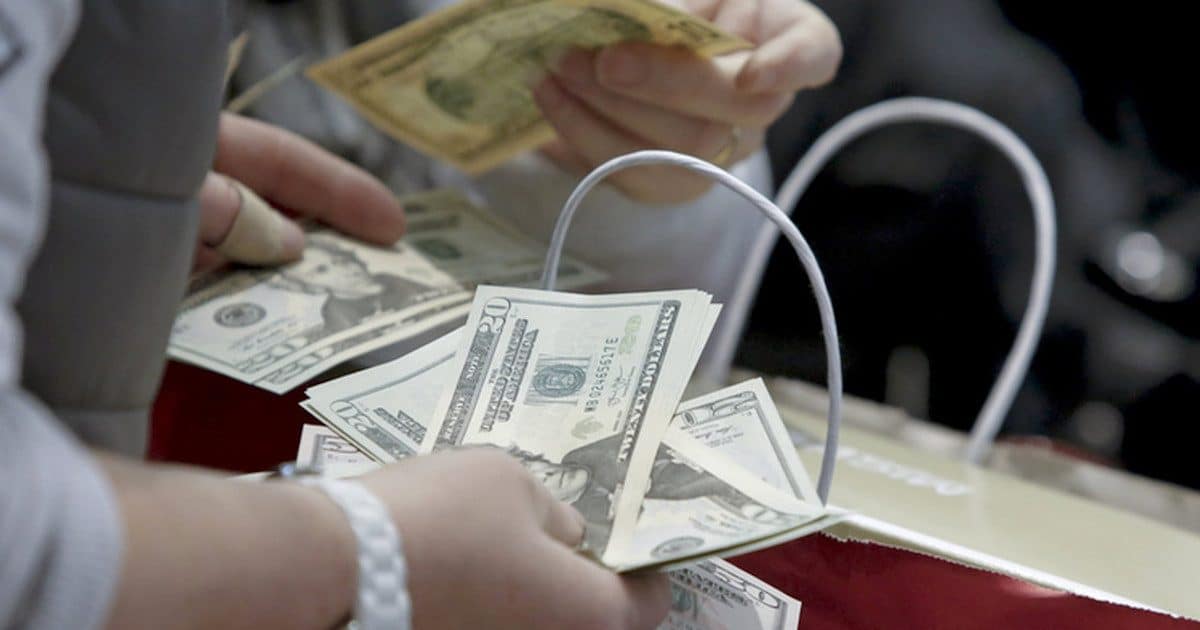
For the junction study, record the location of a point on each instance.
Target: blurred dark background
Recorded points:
(925, 234)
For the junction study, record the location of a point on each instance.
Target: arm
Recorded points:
(88, 540)
(205, 552)
(65, 518)
(59, 534)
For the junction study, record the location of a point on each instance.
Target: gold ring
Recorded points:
(727, 152)
(582, 546)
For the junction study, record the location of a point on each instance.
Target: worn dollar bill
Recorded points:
(723, 479)
(698, 503)
(742, 423)
(455, 84)
(579, 387)
(385, 410)
(715, 595)
(321, 447)
(277, 328)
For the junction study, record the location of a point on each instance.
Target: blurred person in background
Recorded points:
(926, 236)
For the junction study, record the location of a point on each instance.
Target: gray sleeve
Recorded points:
(60, 534)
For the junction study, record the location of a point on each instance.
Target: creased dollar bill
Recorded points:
(277, 328)
(321, 447)
(742, 423)
(706, 595)
(723, 479)
(579, 387)
(455, 84)
(699, 504)
(715, 595)
(385, 410)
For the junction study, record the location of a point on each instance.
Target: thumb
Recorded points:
(240, 226)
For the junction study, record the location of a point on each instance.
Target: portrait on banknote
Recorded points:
(587, 478)
(353, 293)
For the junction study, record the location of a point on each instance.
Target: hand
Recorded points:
(488, 547)
(635, 96)
(292, 172)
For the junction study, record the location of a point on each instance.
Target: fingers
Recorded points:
(592, 592)
(293, 172)
(805, 54)
(564, 523)
(237, 225)
(659, 127)
(676, 79)
(593, 596)
(596, 141)
(219, 204)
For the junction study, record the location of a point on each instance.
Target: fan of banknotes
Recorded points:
(281, 327)
(455, 84)
(709, 594)
(585, 391)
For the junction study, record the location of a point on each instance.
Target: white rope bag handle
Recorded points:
(1037, 186)
(779, 219)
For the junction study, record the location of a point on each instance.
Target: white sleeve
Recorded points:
(60, 534)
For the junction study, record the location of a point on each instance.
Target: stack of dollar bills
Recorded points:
(278, 328)
(585, 391)
(709, 594)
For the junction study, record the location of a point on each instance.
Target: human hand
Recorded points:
(635, 95)
(488, 547)
(287, 170)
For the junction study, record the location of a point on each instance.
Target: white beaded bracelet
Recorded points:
(383, 601)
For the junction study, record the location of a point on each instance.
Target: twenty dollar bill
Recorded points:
(277, 328)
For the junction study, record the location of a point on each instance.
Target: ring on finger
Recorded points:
(725, 155)
(582, 546)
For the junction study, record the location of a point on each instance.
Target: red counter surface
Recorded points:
(209, 420)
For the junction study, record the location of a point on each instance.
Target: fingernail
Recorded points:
(619, 67)
(291, 240)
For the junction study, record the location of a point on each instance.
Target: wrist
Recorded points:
(331, 532)
(382, 599)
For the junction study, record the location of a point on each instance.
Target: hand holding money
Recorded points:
(584, 391)
(276, 328)
(501, 554)
(455, 84)
(700, 77)
(256, 161)
(707, 595)
(639, 95)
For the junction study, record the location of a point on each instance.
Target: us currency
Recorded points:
(715, 595)
(700, 504)
(733, 489)
(579, 387)
(742, 423)
(706, 595)
(277, 328)
(321, 447)
(455, 84)
(385, 410)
